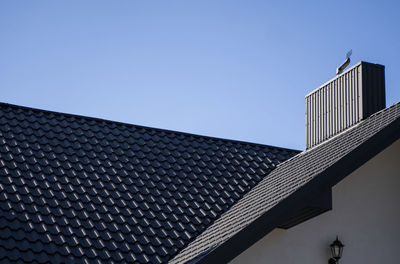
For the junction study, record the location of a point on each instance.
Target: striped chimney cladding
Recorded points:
(343, 101)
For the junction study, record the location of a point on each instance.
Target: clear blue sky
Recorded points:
(230, 69)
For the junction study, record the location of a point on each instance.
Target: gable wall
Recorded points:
(365, 216)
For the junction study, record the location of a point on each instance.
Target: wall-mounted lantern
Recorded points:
(336, 250)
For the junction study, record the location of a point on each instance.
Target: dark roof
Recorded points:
(78, 189)
(290, 187)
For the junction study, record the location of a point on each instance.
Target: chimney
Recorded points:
(343, 101)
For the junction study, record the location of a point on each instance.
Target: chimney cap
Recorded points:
(349, 69)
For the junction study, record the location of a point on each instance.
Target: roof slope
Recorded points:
(78, 189)
(287, 188)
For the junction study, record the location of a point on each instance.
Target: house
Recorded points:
(76, 189)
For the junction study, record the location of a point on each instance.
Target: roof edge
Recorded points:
(144, 127)
(264, 224)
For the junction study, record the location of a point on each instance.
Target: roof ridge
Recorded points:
(144, 127)
(382, 110)
(349, 128)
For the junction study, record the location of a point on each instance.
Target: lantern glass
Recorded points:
(335, 252)
(337, 249)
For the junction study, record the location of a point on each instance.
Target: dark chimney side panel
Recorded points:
(343, 101)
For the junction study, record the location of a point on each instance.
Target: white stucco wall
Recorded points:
(365, 216)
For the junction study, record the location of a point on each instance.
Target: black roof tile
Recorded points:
(78, 189)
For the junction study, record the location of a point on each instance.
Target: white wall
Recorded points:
(365, 215)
